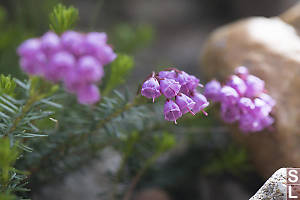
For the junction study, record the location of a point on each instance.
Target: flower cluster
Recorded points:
(179, 88)
(243, 99)
(73, 58)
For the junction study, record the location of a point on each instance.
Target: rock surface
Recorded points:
(270, 48)
(274, 188)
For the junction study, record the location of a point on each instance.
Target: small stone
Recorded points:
(274, 188)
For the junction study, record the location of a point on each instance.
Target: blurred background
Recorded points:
(157, 33)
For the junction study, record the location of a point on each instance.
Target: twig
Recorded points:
(138, 176)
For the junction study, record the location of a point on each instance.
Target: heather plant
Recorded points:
(46, 133)
(69, 108)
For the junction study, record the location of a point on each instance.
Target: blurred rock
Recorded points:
(274, 188)
(270, 48)
(87, 184)
(152, 194)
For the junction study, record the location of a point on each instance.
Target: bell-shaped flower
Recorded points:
(185, 103)
(151, 88)
(171, 111)
(200, 103)
(169, 87)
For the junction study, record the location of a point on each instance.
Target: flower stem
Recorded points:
(139, 175)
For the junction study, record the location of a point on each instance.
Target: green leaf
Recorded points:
(8, 156)
(63, 18)
(119, 71)
(7, 85)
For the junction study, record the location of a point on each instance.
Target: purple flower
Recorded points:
(167, 74)
(74, 58)
(229, 95)
(95, 41)
(201, 103)
(185, 103)
(169, 87)
(193, 83)
(72, 81)
(88, 94)
(34, 64)
(188, 83)
(172, 111)
(212, 90)
(243, 99)
(30, 47)
(248, 123)
(151, 88)
(242, 72)
(90, 69)
(267, 122)
(238, 84)
(268, 99)
(262, 109)
(50, 43)
(246, 105)
(60, 65)
(230, 112)
(105, 54)
(255, 86)
(73, 42)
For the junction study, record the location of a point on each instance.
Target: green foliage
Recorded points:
(118, 72)
(8, 157)
(165, 142)
(18, 127)
(11, 179)
(129, 39)
(7, 85)
(63, 18)
(7, 197)
(42, 87)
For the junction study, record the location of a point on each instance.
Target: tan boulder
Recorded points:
(270, 48)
